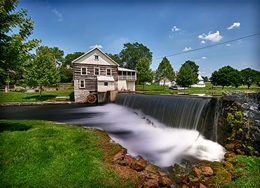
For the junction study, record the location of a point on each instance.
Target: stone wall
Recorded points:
(239, 122)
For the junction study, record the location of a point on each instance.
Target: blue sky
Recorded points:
(166, 27)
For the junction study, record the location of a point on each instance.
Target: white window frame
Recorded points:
(96, 57)
(110, 72)
(82, 71)
(83, 83)
(95, 70)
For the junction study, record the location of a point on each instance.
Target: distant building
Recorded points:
(97, 77)
(200, 82)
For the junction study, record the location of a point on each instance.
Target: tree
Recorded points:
(186, 76)
(206, 79)
(14, 47)
(42, 70)
(165, 71)
(145, 73)
(132, 53)
(226, 76)
(70, 57)
(116, 58)
(66, 72)
(248, 76)
(194, 67)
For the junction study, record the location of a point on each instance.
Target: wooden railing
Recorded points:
(125, 77)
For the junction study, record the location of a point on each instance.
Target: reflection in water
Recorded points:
(139, 134)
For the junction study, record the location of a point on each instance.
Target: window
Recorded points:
(96, 57)
(109, 72)
(81, 83)
(96, 71)
(83, 71)
(105, 83)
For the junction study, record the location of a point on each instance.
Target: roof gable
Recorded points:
(89, 58)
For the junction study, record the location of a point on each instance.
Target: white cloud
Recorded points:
(228, 44)
(204, 57)
(175, 29)
(59, 15)
(186, 49)
(96, 46)
(234, 25)
(202, 42)
(214, 37)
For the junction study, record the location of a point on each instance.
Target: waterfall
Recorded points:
(184, 112)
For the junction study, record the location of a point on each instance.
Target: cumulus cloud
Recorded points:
(234, 25)
(228, 44)
(96, 46)
(202, 42)
(204, 57)
(58, 14)
(214, 37)
(186, 49)
(174, 29)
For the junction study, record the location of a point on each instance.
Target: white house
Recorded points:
(200, 82)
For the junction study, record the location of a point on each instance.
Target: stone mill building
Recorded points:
(98, 78)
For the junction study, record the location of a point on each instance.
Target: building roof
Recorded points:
(90, 51)
(127, 70)
(200, 78)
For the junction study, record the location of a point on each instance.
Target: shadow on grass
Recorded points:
(42, 98)
(13, 126)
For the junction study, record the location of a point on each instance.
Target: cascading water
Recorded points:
(174, 128)
(177, 112)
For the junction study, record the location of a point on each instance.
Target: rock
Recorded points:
(230, 147)
(129, 159)
(151, 183)
(202, 186)
(165, 181)
(139, 164)
(206, 170)
(119, 156)
(196, 172)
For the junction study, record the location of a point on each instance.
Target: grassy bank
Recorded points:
(48, 96)
(44, 154)
(208, 90)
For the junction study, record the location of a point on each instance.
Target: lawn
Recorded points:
(48, 96)
(208, 90)
(44, 154)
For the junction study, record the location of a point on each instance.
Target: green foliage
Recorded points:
(226, 76)
(44, 154)
(66, 74)
(14, 47)
(145, 73)
(186, 76)
(42, 70)
(116, 58)
(165, 71)
(19, 89)
(194, 67)
(70, 57)
(132, 53)
(249, 76)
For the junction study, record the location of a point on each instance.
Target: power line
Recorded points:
(209, 46)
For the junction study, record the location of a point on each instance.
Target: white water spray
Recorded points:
(147, 137)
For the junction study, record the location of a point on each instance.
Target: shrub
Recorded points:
(19, 89)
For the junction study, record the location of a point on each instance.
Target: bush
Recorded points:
(19, 89)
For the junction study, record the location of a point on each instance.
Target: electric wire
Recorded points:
(248, 36)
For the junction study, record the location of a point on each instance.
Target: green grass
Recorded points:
(208, 90)
(44, 154)
(48, 96)
(251, 167)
